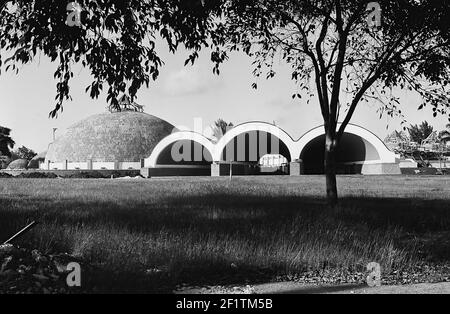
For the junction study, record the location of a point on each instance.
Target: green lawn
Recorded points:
(150, 235)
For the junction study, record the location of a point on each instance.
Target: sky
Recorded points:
(180, 95)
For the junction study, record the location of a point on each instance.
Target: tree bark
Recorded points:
(330, 168)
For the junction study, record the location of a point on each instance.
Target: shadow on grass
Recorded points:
(412, 215)
(97, 229)
(323, 289)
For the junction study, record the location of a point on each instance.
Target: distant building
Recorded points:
(273, 160)
(110, 141)
(431, 143)
(398, 141)
(128, 139)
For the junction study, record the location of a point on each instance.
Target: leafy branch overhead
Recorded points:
(337, 56)
(328, 44)
(116, 41)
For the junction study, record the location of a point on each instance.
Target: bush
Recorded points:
(37, 175)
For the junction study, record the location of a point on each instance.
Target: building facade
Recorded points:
(127, 140)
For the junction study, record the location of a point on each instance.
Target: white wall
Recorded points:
(127, 165)
(95, 165)
(408, 163)
(99, 165)
(75, 165)
(55, 165)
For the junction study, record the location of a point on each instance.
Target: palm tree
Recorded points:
(444, 136)
(6, 142)
(419, 133)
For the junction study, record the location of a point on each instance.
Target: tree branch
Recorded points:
(338, 70)
(320, 89)
(321, 63)
(355, 102)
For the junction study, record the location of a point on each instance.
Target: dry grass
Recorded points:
(153, 234)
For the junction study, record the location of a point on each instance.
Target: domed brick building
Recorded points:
(18, 164)
(126, 138)
(112, 140)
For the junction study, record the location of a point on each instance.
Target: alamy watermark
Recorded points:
(374, 277)
(74, 10)
(374, 14)
(73, 278)
(248, 146)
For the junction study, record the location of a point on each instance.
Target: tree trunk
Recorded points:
(330, 169)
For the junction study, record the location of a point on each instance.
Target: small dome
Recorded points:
(18, 164)
(120, 136)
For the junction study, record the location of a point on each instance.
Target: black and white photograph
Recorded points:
(218, 154)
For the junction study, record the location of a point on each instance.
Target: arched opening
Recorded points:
(353, 151)
(180, 154)
(183, 158)
(246, 151)
(185, 152)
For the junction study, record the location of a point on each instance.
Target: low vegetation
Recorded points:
(151, 235)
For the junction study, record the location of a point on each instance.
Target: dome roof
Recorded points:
(120, 136)
(18, 164)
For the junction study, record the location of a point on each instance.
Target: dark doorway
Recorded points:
(246, 150)
(185, 152)
(352, 149)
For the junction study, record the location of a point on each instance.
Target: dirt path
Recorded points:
(296, 288)
(293, 288)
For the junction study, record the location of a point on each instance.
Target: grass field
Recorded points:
(150, 235)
